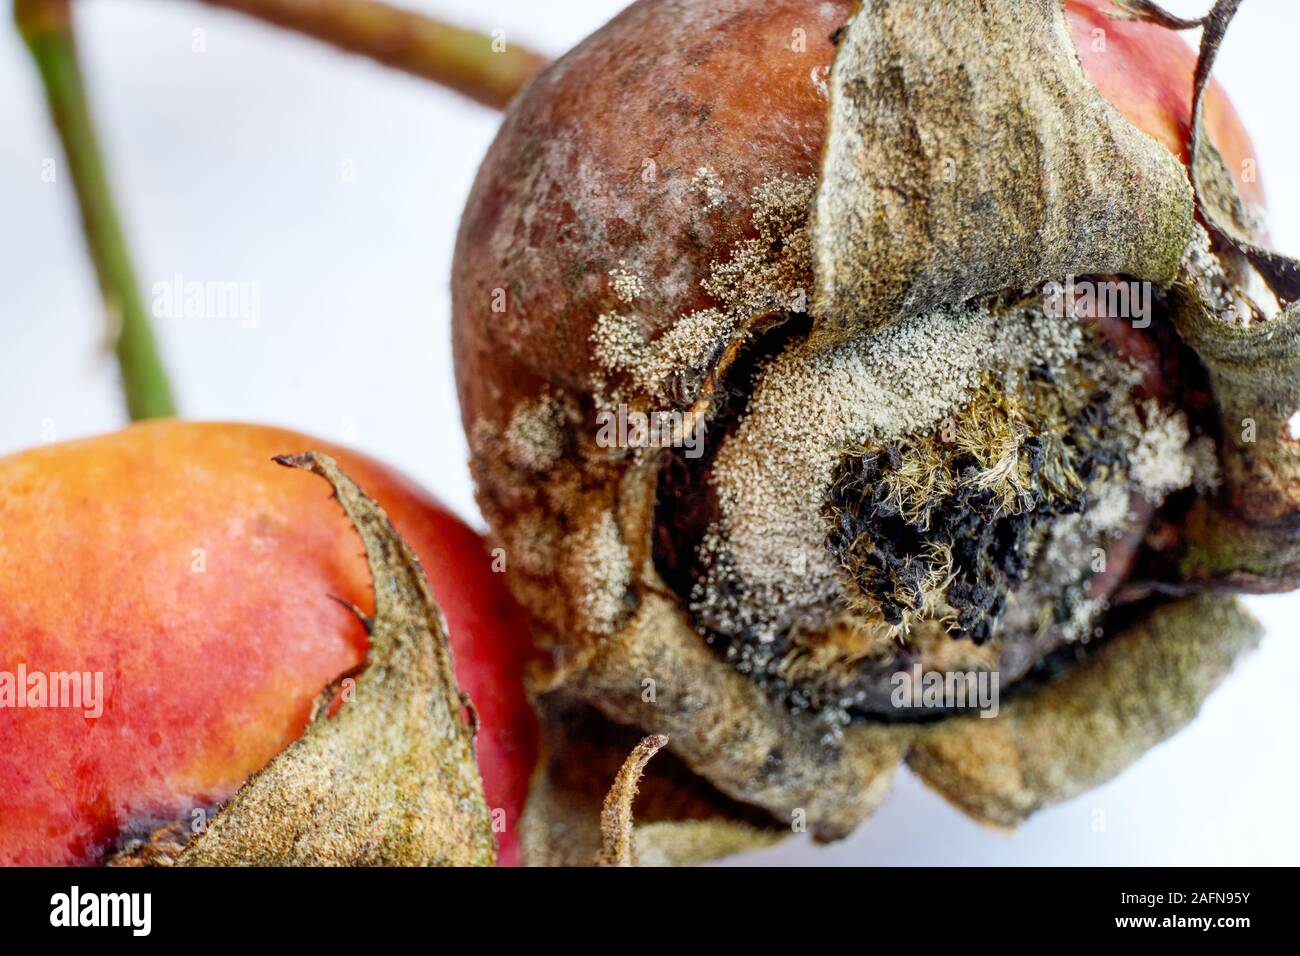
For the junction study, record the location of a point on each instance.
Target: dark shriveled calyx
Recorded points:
(977, 158)
(391, 778)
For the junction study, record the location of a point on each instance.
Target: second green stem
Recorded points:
(46, 26)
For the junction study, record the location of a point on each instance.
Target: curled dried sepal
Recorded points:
(391, 778)
(618, 841)
(1080, 730)
(1244, 539)
(1216, 197)
(1150, 12)
(978, 158)
(680, 819)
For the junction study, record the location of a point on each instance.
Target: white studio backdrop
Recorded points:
(332, 188)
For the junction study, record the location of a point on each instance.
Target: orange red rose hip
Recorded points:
(195, 575)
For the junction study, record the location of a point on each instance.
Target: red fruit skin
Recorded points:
(208, 675)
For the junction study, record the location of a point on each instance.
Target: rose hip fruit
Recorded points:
(603, 201)
(196, 576)
(816, 238)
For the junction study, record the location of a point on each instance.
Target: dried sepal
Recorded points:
(391, 777)
(977, 158)
(1255, 372)
(1244, 538)
(1216, 196)
(667, 842)
(693, 842)
(618, 841)
(1222, 551)
(657, 674)
(681, 820)
(1056, 741)
(1149, 12)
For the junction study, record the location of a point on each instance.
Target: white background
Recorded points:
(229, 167)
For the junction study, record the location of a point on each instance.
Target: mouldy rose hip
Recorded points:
(195, 577)
(972, 352)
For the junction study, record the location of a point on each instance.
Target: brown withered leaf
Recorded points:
(391, 778)
(976, 158)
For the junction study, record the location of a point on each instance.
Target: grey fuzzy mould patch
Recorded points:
(760, 276)
(766, 564)
(772, 475)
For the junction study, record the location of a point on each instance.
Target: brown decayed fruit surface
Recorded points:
(567, 191)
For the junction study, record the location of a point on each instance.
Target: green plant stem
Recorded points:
(452, 56)
(46, 26)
